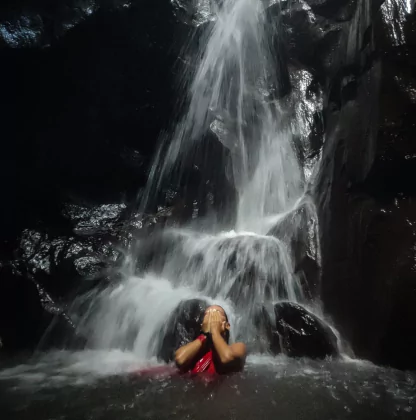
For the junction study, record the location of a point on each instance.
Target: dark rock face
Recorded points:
(366, 187)
(182, 327)
(78, 101)
(87, 90)
(266, 340)
(299, 232)
(302, 334)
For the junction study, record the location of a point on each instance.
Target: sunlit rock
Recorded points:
(94, 220)
(194, 12)
(395, 13)
(69, 258)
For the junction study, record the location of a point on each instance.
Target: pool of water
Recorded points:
(103, 385)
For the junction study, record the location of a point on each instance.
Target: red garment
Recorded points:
(205, 364)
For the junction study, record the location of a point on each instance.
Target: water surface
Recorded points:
(101, 385)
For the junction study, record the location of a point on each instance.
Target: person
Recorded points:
(211, 352)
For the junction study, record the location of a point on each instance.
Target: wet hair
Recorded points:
(226, 332)
(225, 313)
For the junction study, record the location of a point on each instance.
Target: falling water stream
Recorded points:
(233, 96)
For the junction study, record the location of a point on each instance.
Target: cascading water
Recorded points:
(232, 94)
(253, 262)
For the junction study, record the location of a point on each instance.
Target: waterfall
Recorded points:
(232, 94)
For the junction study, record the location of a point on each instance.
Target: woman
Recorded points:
(210, 351)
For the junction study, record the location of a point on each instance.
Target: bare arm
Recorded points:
(187, 353)
(228, 353)
(233, 354)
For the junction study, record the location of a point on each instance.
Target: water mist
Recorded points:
(232, 94)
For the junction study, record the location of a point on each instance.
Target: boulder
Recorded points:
(67, 258)
(303, 334)
(299, 231)
(265, 339)
(366, 191)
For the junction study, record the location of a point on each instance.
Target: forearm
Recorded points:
(222, 349)
(187, 353)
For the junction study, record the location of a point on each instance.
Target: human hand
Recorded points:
(217, 324)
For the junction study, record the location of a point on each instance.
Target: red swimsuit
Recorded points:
(204, 365)
(206, 362)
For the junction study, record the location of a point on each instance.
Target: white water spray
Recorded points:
(232, 93)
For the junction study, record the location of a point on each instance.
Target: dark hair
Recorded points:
(225, 313)
(227, 332)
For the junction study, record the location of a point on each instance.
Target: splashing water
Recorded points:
(232, 95)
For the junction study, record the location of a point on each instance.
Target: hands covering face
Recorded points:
(213, 321)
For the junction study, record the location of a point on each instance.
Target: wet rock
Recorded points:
(193, 14)
(38, 23)
(265, 340)
(256, 267)
(261, 274)
(182, 327)
(302, 334)
(68, 259)
(98, 149)
(366, 209)
(306, 105)
(102, 219)
(158, 249)
(300, 233)
(25, 31)
(311, 39)
(339, 10)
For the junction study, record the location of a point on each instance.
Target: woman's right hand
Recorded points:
(206, 323)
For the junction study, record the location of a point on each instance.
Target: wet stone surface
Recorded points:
(303, 334)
